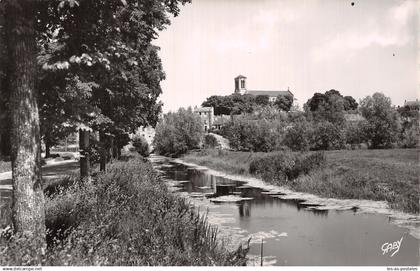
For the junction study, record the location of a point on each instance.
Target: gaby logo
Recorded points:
(391, 247)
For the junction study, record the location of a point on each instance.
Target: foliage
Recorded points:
(382, 125)
(389, 175)
(262, 100)
(210, 141)
(297, 137)
(350, 103)
(141, 145)
(284, 102)
(248, 133)
(409, 137)
(283, 167)
(327, 136)
(354, 133)
(178, 132)
(329, 106)
(123, 217)
(231, 104)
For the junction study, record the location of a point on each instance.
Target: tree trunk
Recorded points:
(111, 148)
(84, 153)
(47, 148)
(102, 151)
(28, 198)
(118, 153)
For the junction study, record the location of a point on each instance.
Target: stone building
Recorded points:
(240, 88)
(207, 116)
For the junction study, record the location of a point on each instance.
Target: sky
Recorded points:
(307, 46)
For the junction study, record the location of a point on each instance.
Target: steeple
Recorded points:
(240, 84)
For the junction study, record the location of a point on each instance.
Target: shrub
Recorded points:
(354, 134)
(141, 146)
(178, 132)
(210, 141)
(327, 136)
(248, 134)
(409, 137)
(297, 137)
(283, 167)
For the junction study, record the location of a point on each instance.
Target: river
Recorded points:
(290, 231)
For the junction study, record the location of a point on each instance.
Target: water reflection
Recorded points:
(322, 237)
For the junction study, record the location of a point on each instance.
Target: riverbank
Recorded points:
(126, 216)
(379, 175)
(405, 220)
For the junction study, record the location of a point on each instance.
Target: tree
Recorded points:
(141, 145)
(284, 102)
(350, 103)
(178, 132)
(382, 125)
(262, 100)
(329, 106)
(28, 198)
(327, 136)
(98, 44)
(297, 137)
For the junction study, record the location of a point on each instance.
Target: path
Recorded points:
(49, 172)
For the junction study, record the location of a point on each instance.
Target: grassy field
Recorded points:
(390, 175)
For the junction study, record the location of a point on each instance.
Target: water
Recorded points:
(293, 233)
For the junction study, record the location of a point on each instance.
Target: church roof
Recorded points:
(270, 93)
(240, 76)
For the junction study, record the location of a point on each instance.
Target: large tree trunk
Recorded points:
(28, 197)
(84, 153)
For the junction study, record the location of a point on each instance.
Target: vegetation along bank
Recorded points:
(389, 174)
(125, 216)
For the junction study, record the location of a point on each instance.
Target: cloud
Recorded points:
(391, 29)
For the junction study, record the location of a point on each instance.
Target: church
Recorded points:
(240, 88)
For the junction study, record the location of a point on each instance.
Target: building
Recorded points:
(207, 116)
(240, 88)
(412, 105)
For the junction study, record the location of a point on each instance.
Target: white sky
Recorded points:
(307, 45)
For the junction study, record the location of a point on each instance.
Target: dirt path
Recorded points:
(50, 171)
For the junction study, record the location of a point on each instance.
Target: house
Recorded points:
(207, 116)
(240, 88)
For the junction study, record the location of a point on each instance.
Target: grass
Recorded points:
(125, 216)
(390, 175)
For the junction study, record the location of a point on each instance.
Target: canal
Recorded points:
(291, 231)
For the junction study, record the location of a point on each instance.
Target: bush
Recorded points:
(283, 167)
(210, 141)
(178, 132)
(297, 137)
(409, 137)
(327, 136)
(126, 216)
(258, 135)
(141, 146)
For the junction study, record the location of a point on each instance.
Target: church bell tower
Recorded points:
(240, 84)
